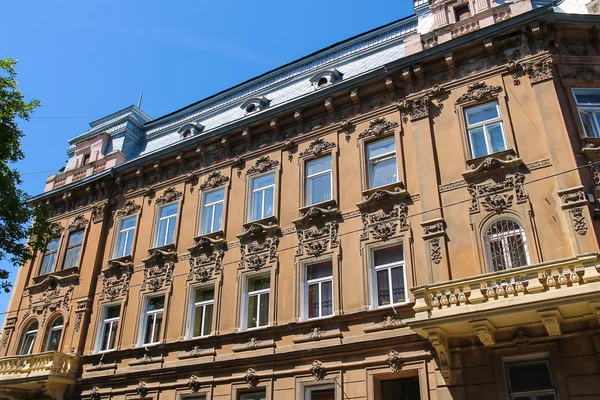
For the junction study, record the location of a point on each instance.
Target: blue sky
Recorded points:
(86, 59)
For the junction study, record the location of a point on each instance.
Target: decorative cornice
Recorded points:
(539, 71)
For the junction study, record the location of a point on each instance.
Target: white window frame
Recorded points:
(195, 304)
(502, 237)
(389, 266)
(154, 313)
(171, 218)
(110, 322)
(130, 234)
(485, 124)
(49, 253)
(53, 329)
(312, 388)
(318, 281)
(33, 332)
(532, 393)
(251, 216)
(377, 159)
(212, 205)
(246, 303)
(594, 109)
(317, 175)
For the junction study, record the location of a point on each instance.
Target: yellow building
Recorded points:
(408, 214)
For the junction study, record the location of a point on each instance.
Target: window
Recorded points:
(165, 226)
(204, 299)
(506, 245)
(319, 290)
(125, 236)
(389, 287)
(86, 159)
(484, 126)
(262, 395)
(400, 389)
(109, 327)
(262, 197)
(530, 380)
(257, 301)
(588, 107)
(54, 334)
(318, 180)
(155, 307)
(49, 259)
(462, 12)
(73, 249)
(29, 339)
(212, 211)
(326, 392)
(381, 158)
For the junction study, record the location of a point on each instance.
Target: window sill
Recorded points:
(161, 254)
(209, 241)
(390, 193)
(51, 279)
(591, 150)
(262, 227)
(506, 160)
(320, 212)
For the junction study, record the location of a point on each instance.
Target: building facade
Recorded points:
(408, 214)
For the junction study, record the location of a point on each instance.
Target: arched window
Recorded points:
(54, 333)
(506, 245)
(29, 338)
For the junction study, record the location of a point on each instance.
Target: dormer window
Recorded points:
(255, 104)
(190, 129)
(325, 78)
(462, 12)
(86, 159)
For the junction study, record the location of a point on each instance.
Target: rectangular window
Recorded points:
(125, 234)
(49, 259)
(257, 301)
(204, 300)
(165, 226)
(484, 126)
(262, 395)
(381, 159)
(109, 327)
(462, 12)
(400, 389)
(155, 307)
(212, 211)
(588, 107)
(318, 180)
(389, 281)
(325, 392)
(319, 290)
(530, 380)
(262, 197)
(73, 249)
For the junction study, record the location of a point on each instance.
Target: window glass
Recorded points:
(484, 126)
(530, 380)
(54, 334)
(482, 113)
(381, 158)
(588, 106)
(167, 219)
(125, 235)
(587, 96)
(212, 211)
(400, 389)
(319, 288)
(154, 319)
(262, 197)
(257, 312)
(203, 311)
(318, 180)
(109, 327)
(390, 287)
(49, 259)
(253, 396)
(506, 245)
(321, 394)
(29, 339)
(73, 249)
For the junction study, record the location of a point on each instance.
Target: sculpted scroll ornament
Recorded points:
(317, 146)
(416, 109)
(539, 70)
(263, 164)
(435, 250)
(585, 72)
(141, 390)
(128, 209)
(98, 212)
(317, 370)
(158, 276)
(478, 91)
(377, 127)
(194, 384)
(497, 203)
(169, 195)
(215, 179)
(251, 378)
(394, 361)
(51, 300)
(80, 222)
(579, 223)
(95, 393)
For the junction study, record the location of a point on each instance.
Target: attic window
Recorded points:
(86, 159)
(251, 108)
(190, 129)
(462, 12)
(255, 104)
(325, 78)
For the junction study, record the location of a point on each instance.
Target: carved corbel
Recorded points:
(328, 103)
(485, 331)
(439, 341)
(354, 96)
(246, 134)
(298, 115)
(407, 76)
(551, 320)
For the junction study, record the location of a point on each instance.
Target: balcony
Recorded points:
(50, 373)
(554, 295)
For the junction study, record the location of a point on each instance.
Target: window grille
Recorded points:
(506, 245)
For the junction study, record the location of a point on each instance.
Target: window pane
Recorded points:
(170, 209)
(497, 255)
(113, 312)
(383, 287)
(214, 196)
(128, 223)
(27, 345)
(198, 313)
(320, 270)
(207, 224)
(326, 298)
(157, 327)
(149, 326)
(587, 96)
(318, 189)
(496, 137)
(529, 376)
(588, 124)
(162, 232)
(113, 335)
(253, 396)
(313, 301)
(263, 181)
(257, 198)
(380, 147)
(322, 394)
(156, 303)
(106, 331)
(268, 210)
(53, 339)
(264, 309)
(252, 321)
(259, 283)
(401, 389)
(171, 231)
(383, 172)
(388, 255)
(208, 320)
(319, 165)
(75, 237)
(478, 146)
(218, 217)
(48, 263)
(204, 295)
(72, 257)
(398, 295)
(481, 113)
(122, 245)
(517, 251)
(53, 245)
